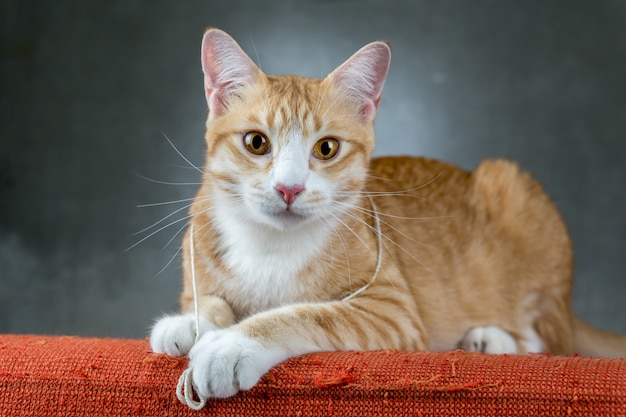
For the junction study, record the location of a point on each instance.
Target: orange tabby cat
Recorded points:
(302, 243)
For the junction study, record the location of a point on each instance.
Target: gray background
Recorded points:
(89, 89)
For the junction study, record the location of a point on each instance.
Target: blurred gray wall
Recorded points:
(90, 89)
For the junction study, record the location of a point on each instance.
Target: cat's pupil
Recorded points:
(325, 148)
(257, 141)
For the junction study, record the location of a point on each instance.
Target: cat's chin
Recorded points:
(286, 219)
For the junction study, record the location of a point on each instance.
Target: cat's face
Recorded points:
(285, 154)
(285, 151)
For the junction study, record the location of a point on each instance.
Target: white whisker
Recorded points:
(174, 237)
(388, 239)
(392, 216)
(345, 249)
(395, 228)
(167, 182)
(426, 184)
(163, 203)
(158, 230)
(181, 155)
(353, 232)
(381, 243)
(256, 53)
(162, 220)
(169, 262)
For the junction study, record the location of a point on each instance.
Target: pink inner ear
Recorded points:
(362, 77)
(226, 68)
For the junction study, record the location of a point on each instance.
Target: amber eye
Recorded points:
(326, 148)
(257, 143)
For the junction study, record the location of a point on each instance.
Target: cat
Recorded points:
(303, 243)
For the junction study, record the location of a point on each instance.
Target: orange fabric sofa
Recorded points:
(72, 376)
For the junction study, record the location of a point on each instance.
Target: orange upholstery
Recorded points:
(67, 376)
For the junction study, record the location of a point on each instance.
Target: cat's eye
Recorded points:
(257, 143)
(326, 148)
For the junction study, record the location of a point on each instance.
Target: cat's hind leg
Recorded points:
(488, 339)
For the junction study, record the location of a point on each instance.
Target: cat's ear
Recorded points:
(226, 69)
(362, 76)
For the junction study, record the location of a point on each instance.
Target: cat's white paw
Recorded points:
(175, 335)
(223, 362)
(490, 339)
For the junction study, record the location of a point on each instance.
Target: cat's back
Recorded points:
(496, 192)
(458, 236)
(403, 184)
(444, 205)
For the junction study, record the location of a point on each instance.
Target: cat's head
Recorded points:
(285, 150)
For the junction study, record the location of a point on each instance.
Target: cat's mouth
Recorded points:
(287, 216)
(289, 213)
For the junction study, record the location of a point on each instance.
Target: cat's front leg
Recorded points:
(223, 362)
(226, 361)
(176, 334)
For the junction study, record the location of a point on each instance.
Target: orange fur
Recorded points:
(460, 249)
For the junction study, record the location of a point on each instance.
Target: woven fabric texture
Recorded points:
(73, 376)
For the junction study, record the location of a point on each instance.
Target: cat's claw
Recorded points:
(490, 339)
(175, 335)
(223, 362)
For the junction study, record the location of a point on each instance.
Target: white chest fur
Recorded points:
(266, 264)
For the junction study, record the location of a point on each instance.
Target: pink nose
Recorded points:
(290, 192)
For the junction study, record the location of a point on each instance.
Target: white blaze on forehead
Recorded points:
(291, 161)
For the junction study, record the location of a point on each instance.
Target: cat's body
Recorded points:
(303, 244)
